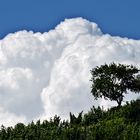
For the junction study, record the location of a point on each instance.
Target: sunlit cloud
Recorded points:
(46, 74)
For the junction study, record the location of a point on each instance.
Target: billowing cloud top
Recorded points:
(46, 74)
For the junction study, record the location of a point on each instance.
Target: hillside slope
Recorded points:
(114, 124)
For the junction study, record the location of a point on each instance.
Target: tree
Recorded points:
(76, 120)
(114, 80)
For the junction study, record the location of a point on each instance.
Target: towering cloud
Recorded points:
(46, 74)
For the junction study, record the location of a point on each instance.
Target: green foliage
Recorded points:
(93, 116)
(75, 120)
(113, 124)
(112, 81)
(133, 115)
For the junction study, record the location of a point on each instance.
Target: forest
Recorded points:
(116, 123)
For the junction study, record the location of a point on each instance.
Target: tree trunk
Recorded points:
(119, 101)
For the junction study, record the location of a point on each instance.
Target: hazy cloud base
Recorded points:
(46, 74)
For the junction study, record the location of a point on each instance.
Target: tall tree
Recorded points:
(114, 80)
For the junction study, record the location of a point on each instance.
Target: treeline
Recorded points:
(112, 82)
(117, 123)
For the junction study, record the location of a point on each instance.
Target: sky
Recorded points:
(120, 17)
(47, 49)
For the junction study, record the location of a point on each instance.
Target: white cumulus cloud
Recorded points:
(46, 74)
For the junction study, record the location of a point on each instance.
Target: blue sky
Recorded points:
(34, 68)
(118, 17)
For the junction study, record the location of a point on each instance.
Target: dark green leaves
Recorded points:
(112, 81)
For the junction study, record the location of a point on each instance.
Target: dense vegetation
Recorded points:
(117, 123)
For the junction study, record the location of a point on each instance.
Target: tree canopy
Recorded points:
(114, 80)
